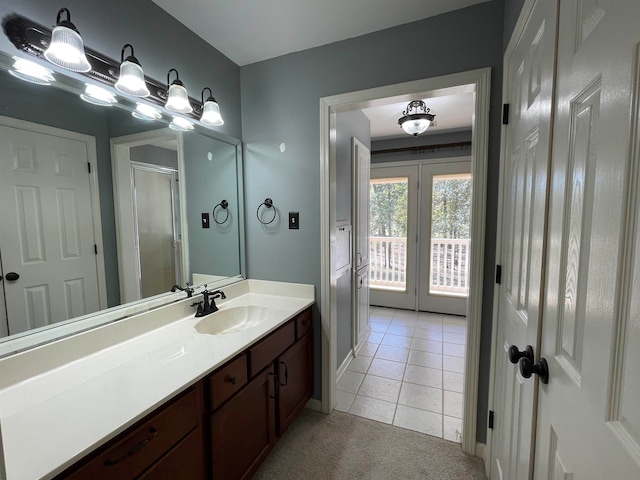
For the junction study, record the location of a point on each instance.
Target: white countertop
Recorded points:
(52, 419)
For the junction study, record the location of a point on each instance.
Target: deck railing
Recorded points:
(449, 265)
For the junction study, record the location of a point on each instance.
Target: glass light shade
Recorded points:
(415, 124)
(31, 72)
(181, 124)
(178, 100)
(67, 50)
(146, 112)
(98, 96)
(211, 114)
(131, 80)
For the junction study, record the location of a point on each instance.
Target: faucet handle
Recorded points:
(218, 294)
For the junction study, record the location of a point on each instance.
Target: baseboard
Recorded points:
(314, 404)
(363, 340)
(342, 368)
(480, 450)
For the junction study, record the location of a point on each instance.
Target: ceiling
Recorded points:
(249, 31)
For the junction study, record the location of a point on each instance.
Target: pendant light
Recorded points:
(131, 79)
(66, 48)
(210, 110)
(177, 98)
(416, 123)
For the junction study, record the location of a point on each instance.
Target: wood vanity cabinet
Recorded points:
(166, 444)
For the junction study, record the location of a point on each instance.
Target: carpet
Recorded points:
(343, 446)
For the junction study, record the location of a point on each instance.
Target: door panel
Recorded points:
(588, 416)
(529, 73)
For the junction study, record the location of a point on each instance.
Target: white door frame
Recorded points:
(477, 81)
(92, 157)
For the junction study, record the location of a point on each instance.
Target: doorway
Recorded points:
(476, 82)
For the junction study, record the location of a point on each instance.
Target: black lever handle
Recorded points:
(528, 368)
(11, 276)
(515, 355)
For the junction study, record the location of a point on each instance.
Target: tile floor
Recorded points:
(409, 373)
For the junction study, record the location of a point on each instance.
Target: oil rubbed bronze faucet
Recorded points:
(187, 289)
(208, 303)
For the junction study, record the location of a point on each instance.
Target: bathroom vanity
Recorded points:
(163, 394)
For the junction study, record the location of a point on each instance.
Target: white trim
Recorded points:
(513, 42)
(92, 157)
(478, 81)
(345, 364)
(314, 404)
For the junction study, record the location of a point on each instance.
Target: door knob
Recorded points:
(515, 355)
(11, 276)
(528, 368)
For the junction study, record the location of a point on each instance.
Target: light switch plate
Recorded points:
(294, 220)
(205, 220)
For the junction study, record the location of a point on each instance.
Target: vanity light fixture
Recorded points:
(98, 96)
(131, 79)
(177, 98)
(181, 124)
(66, 48)
(416, 123)
(146, 112)
(210, 110)
(31, 72)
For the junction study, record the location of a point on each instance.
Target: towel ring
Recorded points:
(224, 205)
(269, 204)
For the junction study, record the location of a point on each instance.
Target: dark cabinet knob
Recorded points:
(515, 355)
(11, 276)
(528, 368)
(232, 379)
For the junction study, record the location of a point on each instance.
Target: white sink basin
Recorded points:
(237, 319)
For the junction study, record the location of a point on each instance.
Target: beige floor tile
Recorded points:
(453, 381)
(452, 429)
(396, 341)
(387, 369)
(424, 345)
(360, 364)
(429, 377)
(427, 334)
(379, 327)
(395, 329)
(396, 354)
(375, 337)
(419, 396)
(350, 381)
(452, 405)
(425, 359)
(373, 408)
(453, 364)
(386, 389)
(344, 400)
(368, 349)
(454, 338)
(418, 420)
(430, 324)
(453, 349)
(410, 314)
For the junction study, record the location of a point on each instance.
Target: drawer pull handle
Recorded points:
(232, 379)
(286, 375)
(135, 449)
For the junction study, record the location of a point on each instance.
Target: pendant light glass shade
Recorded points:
(31, 72)
(98, 96)
(66, 48)
(210, 110)
(181, 124)
(146, 112)
(416, 123)
(177, 97)
(131, 79)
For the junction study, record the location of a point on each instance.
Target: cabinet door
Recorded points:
(243, 430)
(295, 375)
(185, 461)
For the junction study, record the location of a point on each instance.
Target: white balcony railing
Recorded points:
(449, 265)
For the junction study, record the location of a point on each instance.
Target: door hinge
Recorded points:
(505, 114)
(491, 417)
(89, 166)
(95, 248)
(498, 274)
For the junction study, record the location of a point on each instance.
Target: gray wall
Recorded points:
(425, 141)
(348, 125)
(162, 157)
(280, 101)
(512, 9)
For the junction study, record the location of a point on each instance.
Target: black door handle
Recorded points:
(11, 276)
(515, 355)
(528, 368)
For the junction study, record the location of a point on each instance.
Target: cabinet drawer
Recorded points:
(304, 323)
(141, 447)
(184, 461)
(263, 352)
(227, 381)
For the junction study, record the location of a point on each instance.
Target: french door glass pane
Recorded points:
(450, 225)
(388, 233)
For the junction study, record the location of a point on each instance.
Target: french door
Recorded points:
(419, 236)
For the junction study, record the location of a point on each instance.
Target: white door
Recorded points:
(394, 220)
(445, 239)
(589, 412)
(47, 235)
(524, 170)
